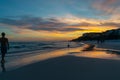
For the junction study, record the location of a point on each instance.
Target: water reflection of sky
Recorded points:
(99, 54)
(19, 61)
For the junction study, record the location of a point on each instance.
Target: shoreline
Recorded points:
(67, 68)
(63, 64)
(27, 56)
(113, 45)
(26, 59)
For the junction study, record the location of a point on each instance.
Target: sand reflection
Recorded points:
(98, 54)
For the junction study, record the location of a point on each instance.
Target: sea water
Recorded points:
(22, 47)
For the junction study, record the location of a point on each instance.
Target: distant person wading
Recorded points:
(4, 46)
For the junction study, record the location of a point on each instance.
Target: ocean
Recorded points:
(20, 47)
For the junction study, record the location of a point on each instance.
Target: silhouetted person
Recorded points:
(4, 46)
(3, 67)
(68, 45)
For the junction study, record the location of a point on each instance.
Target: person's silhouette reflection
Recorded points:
(3, 66)
(4, 46)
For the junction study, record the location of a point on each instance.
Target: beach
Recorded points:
(66, 64)
(67, 68)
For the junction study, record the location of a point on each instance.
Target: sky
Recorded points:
(56, 20)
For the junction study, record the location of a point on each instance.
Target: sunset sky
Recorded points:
(46, 20)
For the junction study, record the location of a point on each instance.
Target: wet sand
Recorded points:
(108, 44)
(67, 68)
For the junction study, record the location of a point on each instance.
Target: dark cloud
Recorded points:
(37, 23)
(71, 29)
(49, 24)
(24, 21)
(84, 24)
(34, 23)
(101, 24)
(12, 22)
(110, 24)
